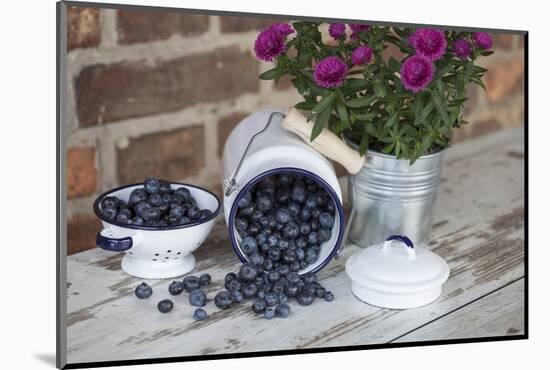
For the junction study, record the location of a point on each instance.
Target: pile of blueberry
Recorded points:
(156, 204)
(190, 284)
(282, 222)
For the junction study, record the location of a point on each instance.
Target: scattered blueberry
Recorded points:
(248, 272)
(305, 298)
(175, 287)
(271, 299)
(205, 279)
(143, 291)
(329, 296)
(223, 300)
(200, 314)
(165, 306)
(249, 290)
(191, 283)
(237, 296)
(269, 312)
(282, 310)
(259, 306)
(197, 298)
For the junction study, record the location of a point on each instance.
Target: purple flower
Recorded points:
(361, 55)
(337, 30)
(358, 28)
(282, 29)
(462, 49)
(417, 72)
(429, 43)
(269, 44)
(483, 40)
(330, 72)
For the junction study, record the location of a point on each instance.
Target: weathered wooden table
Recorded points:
(478, 230)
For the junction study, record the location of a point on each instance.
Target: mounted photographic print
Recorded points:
(247, 184)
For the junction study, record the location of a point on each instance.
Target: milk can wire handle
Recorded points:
(230, 185)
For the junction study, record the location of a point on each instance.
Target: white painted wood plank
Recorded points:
(478, 230)
(498, 314)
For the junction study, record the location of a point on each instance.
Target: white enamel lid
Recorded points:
(397, 274)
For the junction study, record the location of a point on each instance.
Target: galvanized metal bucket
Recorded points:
(390, 196)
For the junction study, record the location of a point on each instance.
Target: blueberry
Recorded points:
(143, 291)
(249, 246)
(273, 276)
(282, 216)
(260, 294)
(272, 241)
(330, 207)
(136, 196)
(249, 290)
(150, 214)
(282, 244)
(305, 228)
(200, 314)
(263, 203)
(314, 224)
(193, 213)
(205, 279)
(283, 298)
(184, 220)
(294, 209)
(283, 270)
(247, 211)
(175, 287)
(300, 254)
(291, 230)
(140, 207)
(261, 238)
(326, 220)
(303, 264)
(183, 193)
(272, 222)
(165, 306)
(271, 299)
(230, 276)
(237, 296)
(256, 259)
(248, 272)
(122, 218)
(155, 199)
(269, 312)
(320, 292)
(164, 187)
(204, 214)
(233, 285)
(289, 256)
(310, 277)
(241, 224)
(256, 216)
(151, 185)
(294, 266)
(136, 221)
(282, 195)
(285, 178)
(282, 310)
(293, 277)
(311, 202)
(305, 298)
(278, 287)
(324, 235)
(253, 229)
(191, 283)
(245, 200)
(264, 222)
(299, 193)
(312, 255)
(268, 264)
(259, 306)
(176, 212)
(309, 288)
(109, 202)
(291, 290)
(274, 253)
(313, 238)
(315, 212)
(329, 296)
(197, 298)
(110, 213)
(223, 300)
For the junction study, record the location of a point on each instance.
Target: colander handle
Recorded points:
(113, 244)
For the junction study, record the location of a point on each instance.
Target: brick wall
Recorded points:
(153, 93)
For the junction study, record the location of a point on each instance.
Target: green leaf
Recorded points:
(324, 104)
(304, 106)
(392, 120)
(360, 102)
(364, 145)
(379, 90)
(269, 74)
(388, 148)
(427, 142)
(371, 129)
(320, 123)
(441, 108)
(424, 113)
(394, 65)
(486, 53)
(365, 116)
(343, 113)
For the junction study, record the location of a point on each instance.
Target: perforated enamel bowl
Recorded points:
(157, 252)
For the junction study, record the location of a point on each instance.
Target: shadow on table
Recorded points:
(47, 358)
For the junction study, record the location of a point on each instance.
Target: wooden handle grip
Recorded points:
(326, 143)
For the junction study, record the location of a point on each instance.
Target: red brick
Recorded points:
(504, 79)
(83, 29)
(226, 125)
(472, 93)
(81, 172)
(392, 51)
(284, 83)
(106, 93)
(503, 41)
(484, 127)
(172, 155)
(81, 233)
(142, 26)
(230, 24)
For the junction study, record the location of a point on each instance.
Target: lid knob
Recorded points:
(405, 241)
